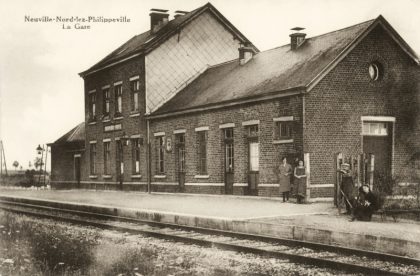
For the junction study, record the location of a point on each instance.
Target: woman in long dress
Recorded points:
(285, 170)
(300, 182)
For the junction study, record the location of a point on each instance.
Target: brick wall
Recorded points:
(333, 109)
(270, 153)
(133, 123)
(203, 42)
(322, 192)
(62, 167)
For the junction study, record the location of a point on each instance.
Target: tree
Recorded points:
(38, 163)
(15, 164)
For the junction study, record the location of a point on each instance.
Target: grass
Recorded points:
(30, 246)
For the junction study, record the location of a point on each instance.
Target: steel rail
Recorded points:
(315, 261)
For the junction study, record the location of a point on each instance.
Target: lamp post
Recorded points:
(40, 152)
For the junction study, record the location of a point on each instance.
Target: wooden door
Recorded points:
(229, 160)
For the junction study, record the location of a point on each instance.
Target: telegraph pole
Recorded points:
(2, 158)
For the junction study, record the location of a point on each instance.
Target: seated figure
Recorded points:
(366, 203)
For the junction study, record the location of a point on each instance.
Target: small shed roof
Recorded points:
(76, 135)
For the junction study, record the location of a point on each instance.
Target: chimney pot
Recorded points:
(179, 13)
(158, 18)
(245, 54)
(297, 38)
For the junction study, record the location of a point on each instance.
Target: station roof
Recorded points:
(147, 41)
(273, 71)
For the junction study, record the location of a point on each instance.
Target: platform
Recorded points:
(315, 222)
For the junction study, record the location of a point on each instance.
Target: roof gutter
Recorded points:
(87, 72)
(269, 96)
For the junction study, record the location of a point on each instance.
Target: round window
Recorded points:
(375, 71)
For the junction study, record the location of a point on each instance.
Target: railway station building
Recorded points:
(193, 106)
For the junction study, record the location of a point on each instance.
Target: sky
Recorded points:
(41, 93)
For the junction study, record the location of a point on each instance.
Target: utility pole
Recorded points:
(2, 158)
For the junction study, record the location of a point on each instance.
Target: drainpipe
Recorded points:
(149, 159)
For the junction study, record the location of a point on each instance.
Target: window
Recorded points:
(252, 131)
(136, 155)
(92, 106)
(135, 87)
(254, 147)
(202, 152)
(254, 156)
(283, 130)
(107, 157)
(375, 128)
(92, 159)
(375, 71)
(107, 99)
(229, 152)
(160, 152)
(118, 99)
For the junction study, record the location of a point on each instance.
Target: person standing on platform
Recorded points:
(347, 186)
(300, 182)
(285, 170)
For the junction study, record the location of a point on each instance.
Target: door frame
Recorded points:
(254, 192)
(77, 156)
(178, 147)
(381, 119)
(226, 142)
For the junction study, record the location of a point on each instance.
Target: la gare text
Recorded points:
(76, 26)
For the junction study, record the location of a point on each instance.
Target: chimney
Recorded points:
(245, 53)
(179, 13)
(296, 38)
(158, 18)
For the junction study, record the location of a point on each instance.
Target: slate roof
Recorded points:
(273, 70)
(148, 40)
(76, 135)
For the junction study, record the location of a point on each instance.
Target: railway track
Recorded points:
(319, 255)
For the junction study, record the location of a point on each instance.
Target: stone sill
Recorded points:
(93, 176)
(118, 118)
(107, 176)
(92, 123)
(136, 176)
(201, 176)
(283, 141)
(137, 114)
(159, 176)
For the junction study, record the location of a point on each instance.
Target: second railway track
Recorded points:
(319, 255)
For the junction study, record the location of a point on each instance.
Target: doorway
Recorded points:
(228, 160)
(180, 160)
(77, 168)
(253, 160)
(120, 163)
(377, 140)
